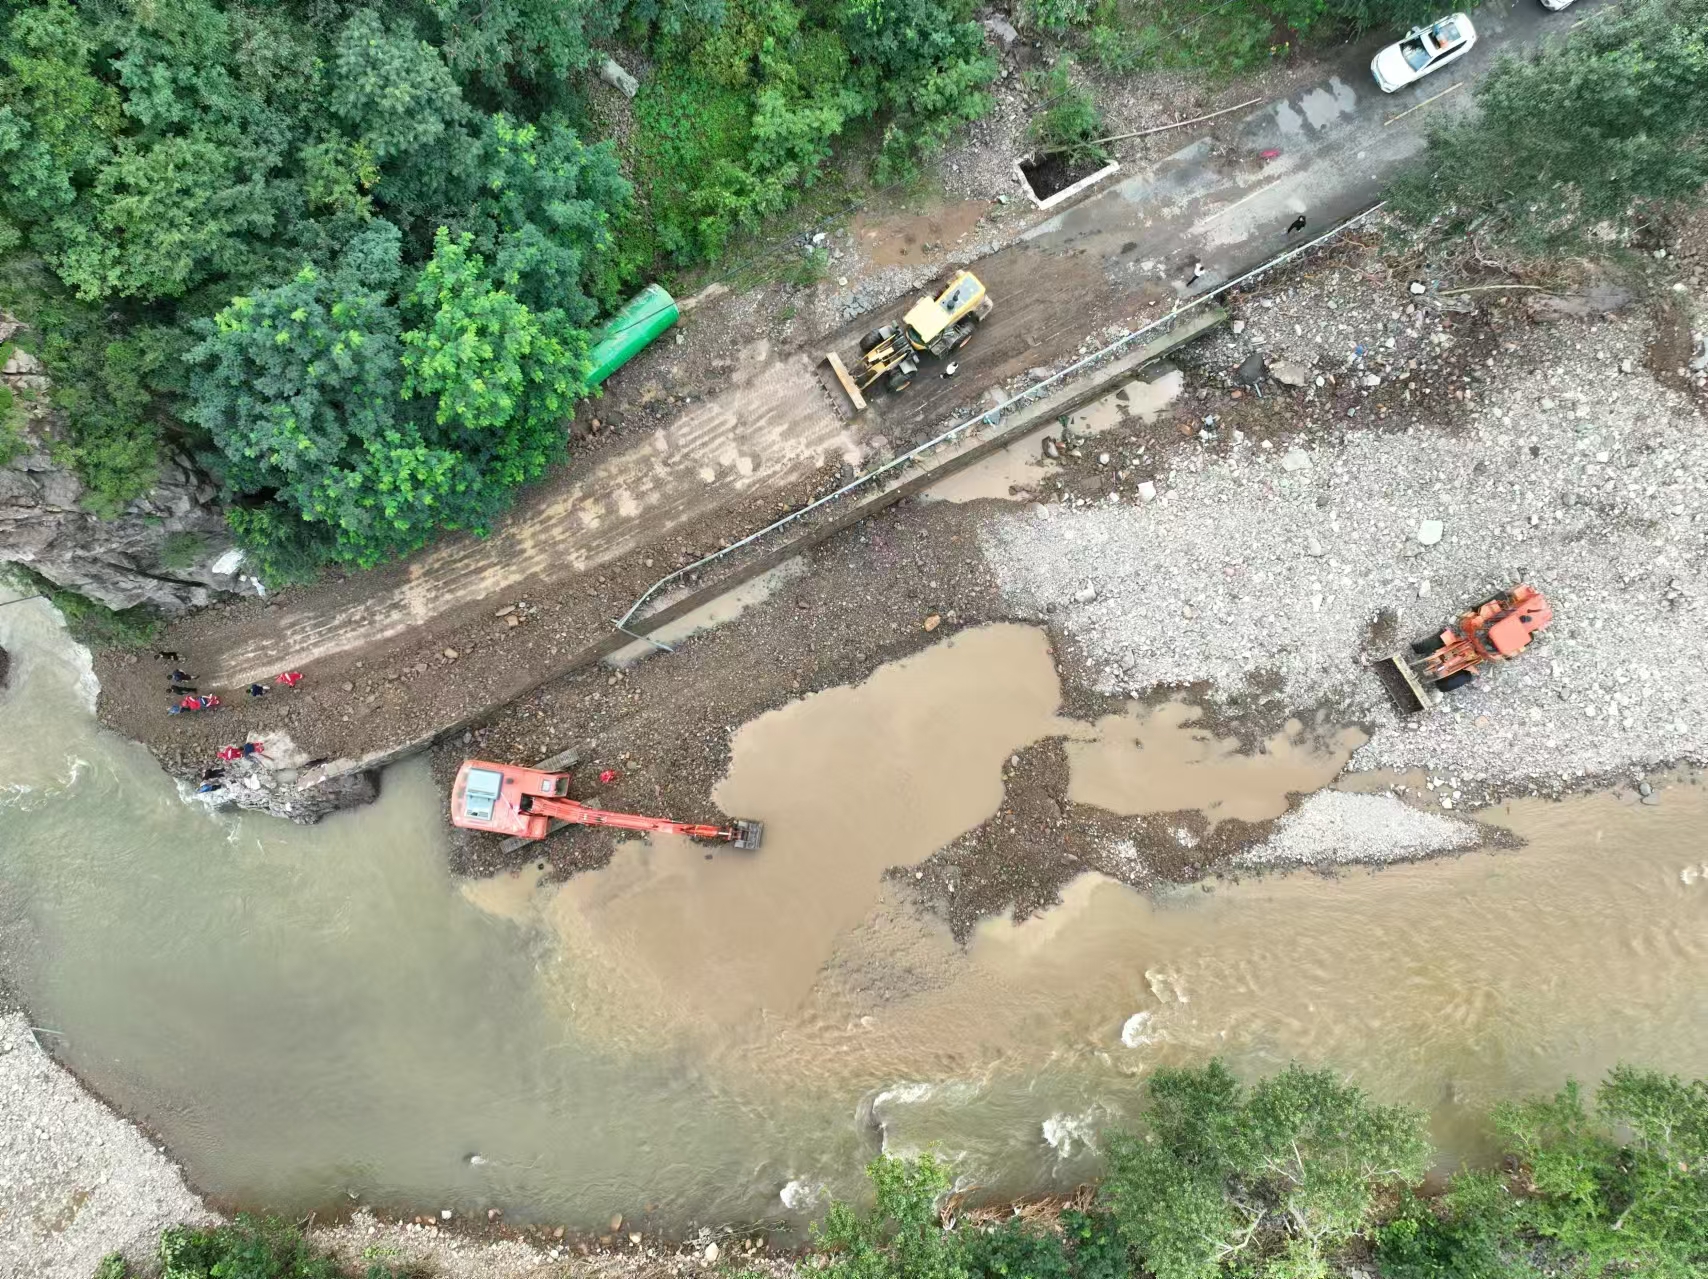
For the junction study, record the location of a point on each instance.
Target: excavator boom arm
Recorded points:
(568, 810)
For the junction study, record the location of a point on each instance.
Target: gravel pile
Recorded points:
(76, 1181)
(1568, 466)
(1339, 826)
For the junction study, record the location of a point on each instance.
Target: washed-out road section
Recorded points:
(579, 548)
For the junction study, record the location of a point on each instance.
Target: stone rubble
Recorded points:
(1559, 470)
(1341, 826)
(76, 1180)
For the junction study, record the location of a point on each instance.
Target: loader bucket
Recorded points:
(1403, 684)
(748, 834)
(841, 371)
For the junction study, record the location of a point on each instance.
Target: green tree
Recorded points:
(926, 64)
(1272, 1181)
(1578, 132)
(901, 1236)
(164, 218)
(540, 41)
(544, 215)
(57, 119)
(1632, 1206)
(503, 376)
(299, 390)
(391, 88)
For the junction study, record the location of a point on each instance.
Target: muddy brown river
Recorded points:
(307, 1016)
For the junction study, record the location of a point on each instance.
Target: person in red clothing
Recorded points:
(251, 748)
(208, 701)
(290, 679)
(229, 753)
(190, 704)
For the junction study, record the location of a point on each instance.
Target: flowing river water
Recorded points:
(308, 1014)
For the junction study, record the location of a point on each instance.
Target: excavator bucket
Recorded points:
(1403, 684)
(748, 834)
(840, 369)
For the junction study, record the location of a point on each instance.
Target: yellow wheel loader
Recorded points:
(932, 325)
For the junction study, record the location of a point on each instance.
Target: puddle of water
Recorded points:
(1016, 471)
(714, 613)
(1148, 760)
(850, 781)
(306, 1012)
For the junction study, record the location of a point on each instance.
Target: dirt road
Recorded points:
(582, 545)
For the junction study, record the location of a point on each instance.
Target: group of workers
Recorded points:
(192, 701)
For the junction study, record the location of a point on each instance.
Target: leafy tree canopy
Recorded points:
(1578, 132)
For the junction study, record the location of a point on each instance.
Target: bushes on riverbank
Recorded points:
(246, 1248)
(1302, 1174)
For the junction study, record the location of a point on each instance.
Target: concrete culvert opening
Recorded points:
(1051, 178)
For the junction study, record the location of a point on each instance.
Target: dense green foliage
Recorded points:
(349, 255)
(247, 1248)
(1270, 1181)
(1301, 1172)
(739, 119)
(1577, 133)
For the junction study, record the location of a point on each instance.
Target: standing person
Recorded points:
(229, 753)
(179, 677)
(178, 690)
(1197, 273)
(1298, 225)
(257, 690)
(290, 679)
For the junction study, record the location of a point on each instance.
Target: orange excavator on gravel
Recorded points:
(1498, 629)
(528, 804)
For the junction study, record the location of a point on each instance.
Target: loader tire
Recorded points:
(1458, 679)
(1424, 647)
(872, 339)
(900, 381)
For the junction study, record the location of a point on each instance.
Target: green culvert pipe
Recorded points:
(627, 333)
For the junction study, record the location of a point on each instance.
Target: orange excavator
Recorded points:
(1498, 629)
(528, 804)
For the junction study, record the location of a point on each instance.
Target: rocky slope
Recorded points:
(121, 562)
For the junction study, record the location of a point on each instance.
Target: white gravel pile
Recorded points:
(1584, 477)
(76, 1181)
(1340, 826)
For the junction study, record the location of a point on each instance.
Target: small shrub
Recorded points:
(1056, 15)
(113, 1266)
(181, 551)
(1069, 124)
(1017, 1250)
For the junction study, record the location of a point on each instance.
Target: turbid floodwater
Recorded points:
(304, 1015)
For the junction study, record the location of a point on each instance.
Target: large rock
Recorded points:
(119, 562)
